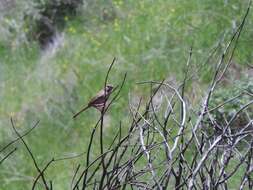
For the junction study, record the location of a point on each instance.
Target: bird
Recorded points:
(98, 101)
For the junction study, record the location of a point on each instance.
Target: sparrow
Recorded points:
(98, 101)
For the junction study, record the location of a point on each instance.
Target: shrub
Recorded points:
(48, 18)
(229, 100)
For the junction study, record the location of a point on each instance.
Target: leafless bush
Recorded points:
(174, 146)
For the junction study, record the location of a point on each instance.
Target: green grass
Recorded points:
(151, 41)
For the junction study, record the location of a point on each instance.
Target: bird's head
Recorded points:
(108, 88)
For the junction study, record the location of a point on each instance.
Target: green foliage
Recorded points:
(49, 18)
(238, 92)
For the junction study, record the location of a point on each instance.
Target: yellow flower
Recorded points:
(66, 18)
(72, 30)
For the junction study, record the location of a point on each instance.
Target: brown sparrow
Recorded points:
(99, 100)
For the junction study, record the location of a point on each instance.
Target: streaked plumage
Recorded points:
(99, 100)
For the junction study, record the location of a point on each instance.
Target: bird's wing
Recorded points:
(100, 95)
(97, 100)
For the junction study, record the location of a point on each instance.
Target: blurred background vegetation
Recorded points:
(54, 56)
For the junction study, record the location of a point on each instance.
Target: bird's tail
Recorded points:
(82, 110)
